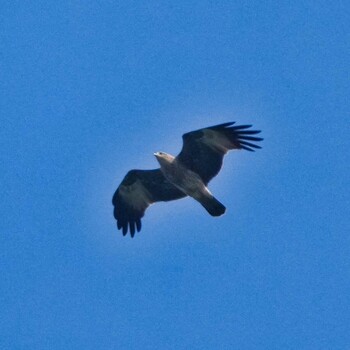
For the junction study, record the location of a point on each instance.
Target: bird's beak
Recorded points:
(155, 154)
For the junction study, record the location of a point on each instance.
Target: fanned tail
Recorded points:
(212, 206)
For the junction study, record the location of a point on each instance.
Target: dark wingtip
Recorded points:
(249, 144)
(220, 126)
(250, 138)
(249, 132)
(247, 149)
(125, 229)
(243, 137)
(138, 225)
(241, 127)
(132, 228)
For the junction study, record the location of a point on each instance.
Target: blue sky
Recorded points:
(89, 90)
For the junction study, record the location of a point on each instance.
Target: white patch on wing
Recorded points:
(216, 140)
(136, 195)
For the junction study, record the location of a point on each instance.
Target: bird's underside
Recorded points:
(188, 173)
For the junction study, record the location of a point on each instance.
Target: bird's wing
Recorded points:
(138, 190)
(204, 149)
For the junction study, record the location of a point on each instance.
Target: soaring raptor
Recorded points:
(187, 174)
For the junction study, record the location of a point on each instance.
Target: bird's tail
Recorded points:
(212, 205)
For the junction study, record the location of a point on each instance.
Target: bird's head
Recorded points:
(163, 157)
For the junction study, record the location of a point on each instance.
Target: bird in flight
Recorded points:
(187, 174)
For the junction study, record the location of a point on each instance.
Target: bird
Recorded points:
(187, 174)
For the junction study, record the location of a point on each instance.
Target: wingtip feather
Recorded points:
(249, 144)
(220, 126)
(138, 225)
(241, 127)
(125, 229)
(247, 149)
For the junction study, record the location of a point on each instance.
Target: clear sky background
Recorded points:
(89, 90)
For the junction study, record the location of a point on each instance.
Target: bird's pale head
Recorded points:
(163, 158)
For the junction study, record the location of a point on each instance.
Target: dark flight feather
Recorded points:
(204, 155)
(138, 190)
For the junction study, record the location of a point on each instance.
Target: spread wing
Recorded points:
(138, 190)
(204, 149)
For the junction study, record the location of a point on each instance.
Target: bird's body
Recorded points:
(188, 182)
(184, 175)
